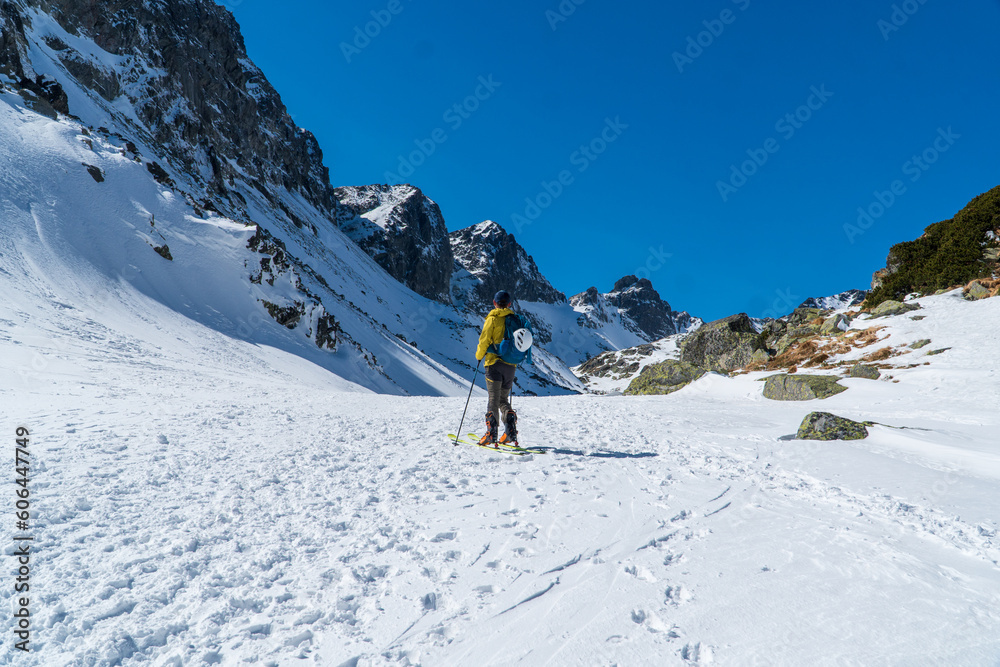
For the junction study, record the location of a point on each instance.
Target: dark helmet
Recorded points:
(501, 299)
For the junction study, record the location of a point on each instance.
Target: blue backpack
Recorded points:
(507, 350)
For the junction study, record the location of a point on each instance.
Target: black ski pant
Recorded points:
(499, 382)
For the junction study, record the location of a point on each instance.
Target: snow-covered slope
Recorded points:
(200, 499)
(256, 255)
(837, 301)
(612, 372)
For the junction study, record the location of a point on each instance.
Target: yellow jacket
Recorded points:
(493, 329)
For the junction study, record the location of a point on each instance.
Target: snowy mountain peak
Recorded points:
(175, 76)
(640, 307)
(402, 230)
(490, 231)
(489, 259)
(837, 301)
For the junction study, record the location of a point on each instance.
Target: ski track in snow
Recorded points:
(199, 499)
(200, 511)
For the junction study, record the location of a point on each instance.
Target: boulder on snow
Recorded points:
(865, 371)
(664, 378)
(975, 291)
(724, 345)
(887, 308)
(826, 426)
(801, 387)
(923, 342)
(835, 324)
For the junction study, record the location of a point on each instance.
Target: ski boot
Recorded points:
(491, 432)
(510, 425)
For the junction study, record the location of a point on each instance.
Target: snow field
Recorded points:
(207, 495)
(222, 510)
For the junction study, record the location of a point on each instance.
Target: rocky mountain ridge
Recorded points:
(489, 260)
(402, 230)
(164, 101)
(178, 76)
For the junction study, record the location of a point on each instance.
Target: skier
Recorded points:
(499, 373)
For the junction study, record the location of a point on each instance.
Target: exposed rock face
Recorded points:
(596, 307)
(892, 265)
(890, 307)
(835, 324)
(404, 232)
(306, 312)
(801, 387)
(183, 67)
(637, 299)
(615, 364)
(826, 426)
(664, 378)
(725, 345)
(491, 260)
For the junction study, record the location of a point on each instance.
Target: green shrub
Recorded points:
(949, 253)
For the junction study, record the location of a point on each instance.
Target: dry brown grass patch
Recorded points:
(863, 337)
(881, 354)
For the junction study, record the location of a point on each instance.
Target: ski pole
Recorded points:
(458, 433)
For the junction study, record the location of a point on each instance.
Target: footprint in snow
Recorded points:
(699, 654)
(678, 595)
(640, 573)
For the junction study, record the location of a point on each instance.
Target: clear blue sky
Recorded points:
(886, 85)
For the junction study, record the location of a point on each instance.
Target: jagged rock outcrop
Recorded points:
(490, 260)
(639, 307)
(183, 67)
(402, 230)
(614, 364)
(596, 308)
(725, 345)
(637, 299)
(308, 311)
